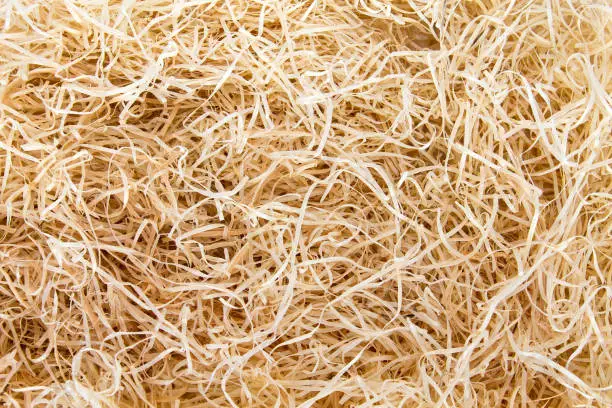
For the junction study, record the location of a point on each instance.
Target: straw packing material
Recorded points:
(323, 203)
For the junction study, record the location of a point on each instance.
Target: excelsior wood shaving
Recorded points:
(323, 203)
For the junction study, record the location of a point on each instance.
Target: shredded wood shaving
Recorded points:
(322, 203)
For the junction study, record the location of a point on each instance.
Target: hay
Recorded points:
(322, 203)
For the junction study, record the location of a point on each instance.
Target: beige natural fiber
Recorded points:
(317, 203)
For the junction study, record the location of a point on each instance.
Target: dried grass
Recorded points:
(324, 203)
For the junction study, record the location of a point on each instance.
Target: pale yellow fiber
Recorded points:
(317, 203)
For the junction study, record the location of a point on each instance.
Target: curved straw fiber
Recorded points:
(321, 203)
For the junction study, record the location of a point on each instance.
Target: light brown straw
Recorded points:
(322, 203)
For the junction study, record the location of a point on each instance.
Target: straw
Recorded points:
(321, 203)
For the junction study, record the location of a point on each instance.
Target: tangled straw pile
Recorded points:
(322, 203)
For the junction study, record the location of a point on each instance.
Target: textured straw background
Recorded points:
(317, 203)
